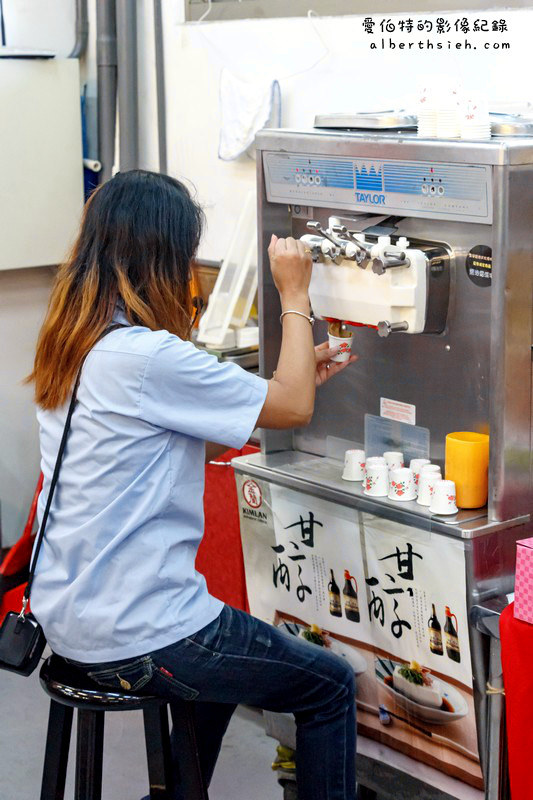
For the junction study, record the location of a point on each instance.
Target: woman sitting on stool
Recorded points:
(116, 589)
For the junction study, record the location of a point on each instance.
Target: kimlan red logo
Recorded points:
(252, 494)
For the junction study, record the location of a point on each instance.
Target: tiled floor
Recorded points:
(243, 771)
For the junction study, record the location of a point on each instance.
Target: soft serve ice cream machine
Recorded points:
(425, 249)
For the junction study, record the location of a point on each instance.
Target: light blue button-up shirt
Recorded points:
(115, 577)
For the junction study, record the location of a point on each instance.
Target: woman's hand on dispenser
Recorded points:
(290, 263)
(291, 391)
(325, 368)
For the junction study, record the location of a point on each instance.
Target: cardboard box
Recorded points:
(523, 601)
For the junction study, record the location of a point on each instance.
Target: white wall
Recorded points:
(148, 135)
(324, 65)
(23, 297)
(47, 24)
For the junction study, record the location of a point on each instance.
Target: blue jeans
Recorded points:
(239, 659)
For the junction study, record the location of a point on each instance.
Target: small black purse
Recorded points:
(22, 639)
(22, 642)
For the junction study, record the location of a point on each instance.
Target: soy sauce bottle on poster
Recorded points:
(334, 597)
(435, 633)
(351, 603)
(451, 637)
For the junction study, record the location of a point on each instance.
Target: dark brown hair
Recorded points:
(139, 234)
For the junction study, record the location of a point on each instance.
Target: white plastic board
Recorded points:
(232, 297)
(41, 185)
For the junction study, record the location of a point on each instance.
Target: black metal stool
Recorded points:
(69, 689)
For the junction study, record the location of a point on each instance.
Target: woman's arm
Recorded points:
(301, 367)
(291, 392)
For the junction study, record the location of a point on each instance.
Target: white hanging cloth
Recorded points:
(245, 109)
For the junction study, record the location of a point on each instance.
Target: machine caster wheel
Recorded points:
(290, 790)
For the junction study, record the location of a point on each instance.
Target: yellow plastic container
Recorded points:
(467, 464)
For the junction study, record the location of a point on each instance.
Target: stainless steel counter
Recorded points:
(321, 476)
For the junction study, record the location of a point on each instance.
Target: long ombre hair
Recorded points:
(139, 234)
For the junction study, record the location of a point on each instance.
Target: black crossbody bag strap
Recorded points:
(55, 476)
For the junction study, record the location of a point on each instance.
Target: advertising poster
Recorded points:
(391, 599)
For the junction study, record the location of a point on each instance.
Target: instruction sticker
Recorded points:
(478, 265)
(401, 412)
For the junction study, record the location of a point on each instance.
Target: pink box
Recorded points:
(523, 597)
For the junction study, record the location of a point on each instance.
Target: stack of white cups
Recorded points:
(427, 114)
(445, 113)
(449, 116)
(475, 120)
(439, 112)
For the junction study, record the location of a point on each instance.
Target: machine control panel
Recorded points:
(433, 190)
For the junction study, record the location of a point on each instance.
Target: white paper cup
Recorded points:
(345, 344)
(402, 484)
(426, 485)
(354, 465)
(430, 468)
(443, 500)
(374, 460)
(376, 482)
(416, 465)
(394, 459)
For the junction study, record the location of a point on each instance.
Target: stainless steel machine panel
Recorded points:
(470, 366)
(433, 190)
(473, 374)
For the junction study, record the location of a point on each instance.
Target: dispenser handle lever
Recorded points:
(389, 261)
(316, 226)
(386, 328)
(343, 231)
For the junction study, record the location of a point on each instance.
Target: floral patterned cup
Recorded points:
(426, 485)
(354, 465)
(402, 484)
(416, 465)
(430, 468)
(374, 460)
(376, 482)
(344, 343)
(443, 499)
(394, 459)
